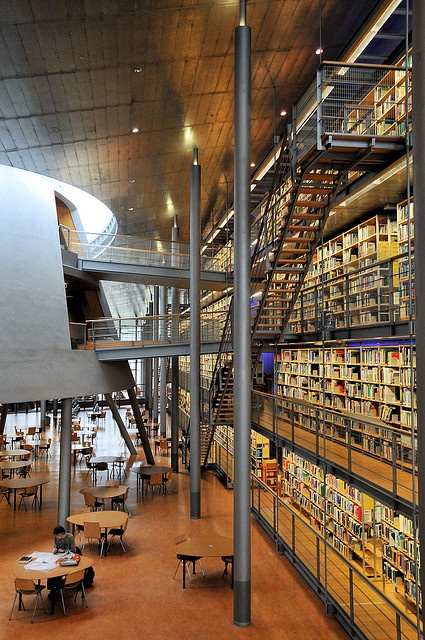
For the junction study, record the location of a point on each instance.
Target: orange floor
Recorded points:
(134, 595)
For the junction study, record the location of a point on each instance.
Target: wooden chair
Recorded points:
(155, 481)
(24, 472)
(92, 531)
(78, 527)
(29, 492)
(25, 587)
(91, 502)
(32, 431)
(44, 448)
(74, 580)
(163, 446)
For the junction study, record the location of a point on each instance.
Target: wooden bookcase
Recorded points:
(406, 268)
(364, 531)
(346, 282)
(260, 451)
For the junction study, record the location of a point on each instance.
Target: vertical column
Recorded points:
(418, 88)
(43, 414)
(242, 320)
(155, 360)
(174, 360)
(195, 333)
(162, 365)
(64, 498)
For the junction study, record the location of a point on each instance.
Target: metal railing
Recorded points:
(355, 599)
(144, 251)
(152, 330)
(348, 441)
(354, 98)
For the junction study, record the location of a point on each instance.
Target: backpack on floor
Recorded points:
(88, 577)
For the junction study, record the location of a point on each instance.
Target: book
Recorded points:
(25, 559)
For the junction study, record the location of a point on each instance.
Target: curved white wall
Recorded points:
(37, 361)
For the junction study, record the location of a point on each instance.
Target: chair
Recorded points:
(91, 467)
(29, 492)
(27, 447)
(227, 560)
(154, 481)
(119, 532)
(119, 501)
(78, 527)
(100, 468)
(23, 472)
(112, 483)
(5, 493)
(74, 580)
(166, 479)
(188, 559)
(32, 431)
(91, 502)
(92, 531)
(25, 587)
(163, 447)
(44, 448)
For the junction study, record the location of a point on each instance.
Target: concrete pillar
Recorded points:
(64, 498)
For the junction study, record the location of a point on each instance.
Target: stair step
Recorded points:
(307, 215)
(297, 239)
(314, 204)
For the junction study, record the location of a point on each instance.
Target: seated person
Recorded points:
(63, 541)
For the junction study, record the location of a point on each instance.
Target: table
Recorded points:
(14, 453)
(105, 492)
(208, 546)
(114, 460)
(12, 465)
(144, 472)
(78, 448)
(106, 519)
(19, 570)
(24, 483)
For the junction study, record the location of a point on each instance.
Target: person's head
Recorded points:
(59, 531)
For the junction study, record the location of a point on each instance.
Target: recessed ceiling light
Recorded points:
(132, 181)
(137, 69)
(319, 50)
(135, 130)
(252, 164)
(131, 208)
(283, 112)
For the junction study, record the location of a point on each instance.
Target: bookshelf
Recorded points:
(406, 268)
(345, 281)
(362, 530)
(260, 451)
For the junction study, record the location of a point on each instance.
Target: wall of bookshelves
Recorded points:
(348, 281)
(365, 532)
(372, 379)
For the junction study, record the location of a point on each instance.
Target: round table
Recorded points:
(24, 483)
(106, 519)
(114, 460)
(12, 465)
(103, 492)
(144, 472)
(206, 546)
(14, 453)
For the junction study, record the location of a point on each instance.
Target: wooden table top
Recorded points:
(19, 570)
(105, 492)
(205, 546)
(14, 464)
(106, 519)
(23, 483)
(148, 470)
(96, 459)
(14, 453)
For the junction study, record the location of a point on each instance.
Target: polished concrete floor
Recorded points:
(134, 595)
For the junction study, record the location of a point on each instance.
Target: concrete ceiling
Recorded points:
(78, 75)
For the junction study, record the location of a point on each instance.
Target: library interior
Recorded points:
(212, 344)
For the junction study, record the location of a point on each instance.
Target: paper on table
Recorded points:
(42, 561)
